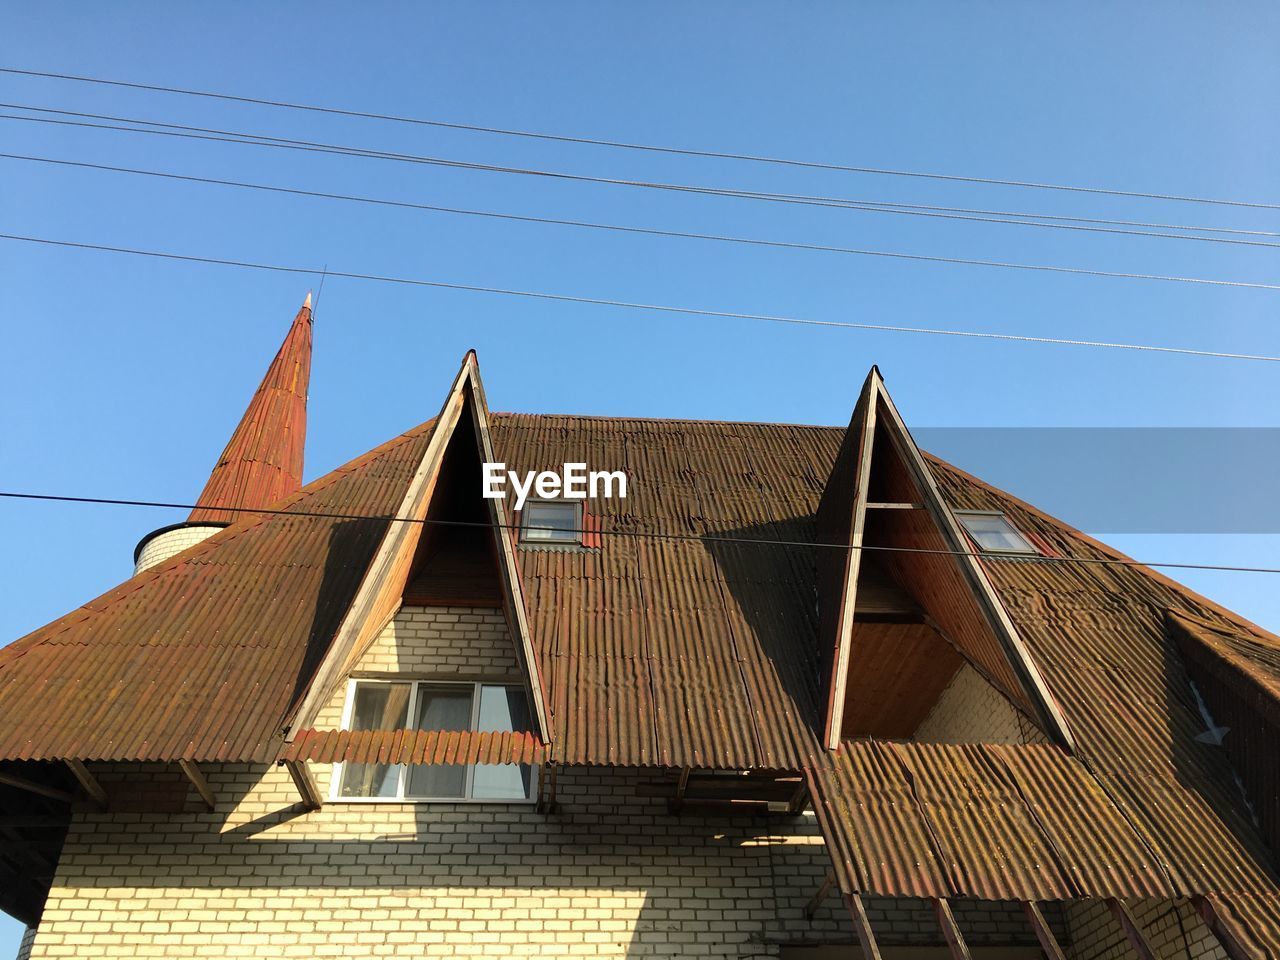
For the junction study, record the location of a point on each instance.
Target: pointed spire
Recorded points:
(263, 460)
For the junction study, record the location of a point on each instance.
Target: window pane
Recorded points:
(441, 707)
(503, 708)
(553, 522)
(378, 706)
(995, 533)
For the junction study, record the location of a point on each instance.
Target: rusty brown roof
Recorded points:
(262, 462)
(653, 651)
(415, 746)
(202, 656)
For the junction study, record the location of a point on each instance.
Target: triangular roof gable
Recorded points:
(384, 581)
(971, 615)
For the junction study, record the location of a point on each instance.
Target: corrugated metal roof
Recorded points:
(680, 653)
(414, 746)
(202, 656)
(999, 822)
(262, 463)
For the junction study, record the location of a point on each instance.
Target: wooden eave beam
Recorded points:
(895, 506)
(88, 782)
(1129, 924)
(197, 778)
(862, 926)
(950, 930)
(1044, 933)
(31, 786)
(305, 782)
(1207, 907)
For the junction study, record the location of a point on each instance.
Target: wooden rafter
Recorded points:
(950, 929)
(1044, 933)
(1207, 907)
(1129, 924)
(824, 890)
(682, 786)
(305, 782)
(31, 786)
(197, 778)
(88, 782)
(862, 926)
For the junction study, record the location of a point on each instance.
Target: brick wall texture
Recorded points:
(609, 873)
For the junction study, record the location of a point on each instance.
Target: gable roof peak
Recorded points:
(262, 462)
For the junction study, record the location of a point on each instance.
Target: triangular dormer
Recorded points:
(903, 603)
(448, 546)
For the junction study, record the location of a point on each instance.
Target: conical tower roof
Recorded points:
(262, 462)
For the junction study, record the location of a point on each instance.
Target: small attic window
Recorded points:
(993, 533)
(551, 521)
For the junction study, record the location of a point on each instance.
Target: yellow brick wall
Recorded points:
(971, 710)
(610, 873)
(1174, 930)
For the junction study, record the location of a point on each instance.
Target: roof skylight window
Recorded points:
(993, 533)
(551, 521)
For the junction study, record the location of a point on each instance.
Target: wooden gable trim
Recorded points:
(864, 420)
(984, 591)
(378, 596)
(508, 569)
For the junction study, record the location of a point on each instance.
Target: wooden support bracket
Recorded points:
(1048, 942)
(862, 925)
(547, 788)
(815, 901)
(1131, 929)
(305, 782)
(89, 782)
(950, 929)
(194, 774)
(682, 784)
(1207, 907)
(22, 783)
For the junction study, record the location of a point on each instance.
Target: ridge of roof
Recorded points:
(507, 414)
(262, 462)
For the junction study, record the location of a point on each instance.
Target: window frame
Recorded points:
(1031, 551)
(574, 540)
(348, 708)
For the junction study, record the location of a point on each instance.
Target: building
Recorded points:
(380, 715)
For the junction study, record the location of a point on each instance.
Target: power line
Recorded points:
(638, 534)
(968, 214)
(658, 308)
(560, 221)
(651, 148)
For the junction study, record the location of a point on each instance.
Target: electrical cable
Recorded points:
(658, 308)
(296, 191)
(639, 534)
(186, 131)
(678, 151)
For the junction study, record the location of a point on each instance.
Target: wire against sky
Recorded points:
(213, 134)
(630, 305)
(654, 148)
(296, 191)
(635, 534)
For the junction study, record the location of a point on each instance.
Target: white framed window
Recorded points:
(551, 521)
(994, 533)
(434, 705)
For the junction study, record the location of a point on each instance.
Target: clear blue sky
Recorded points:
(123, 377)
